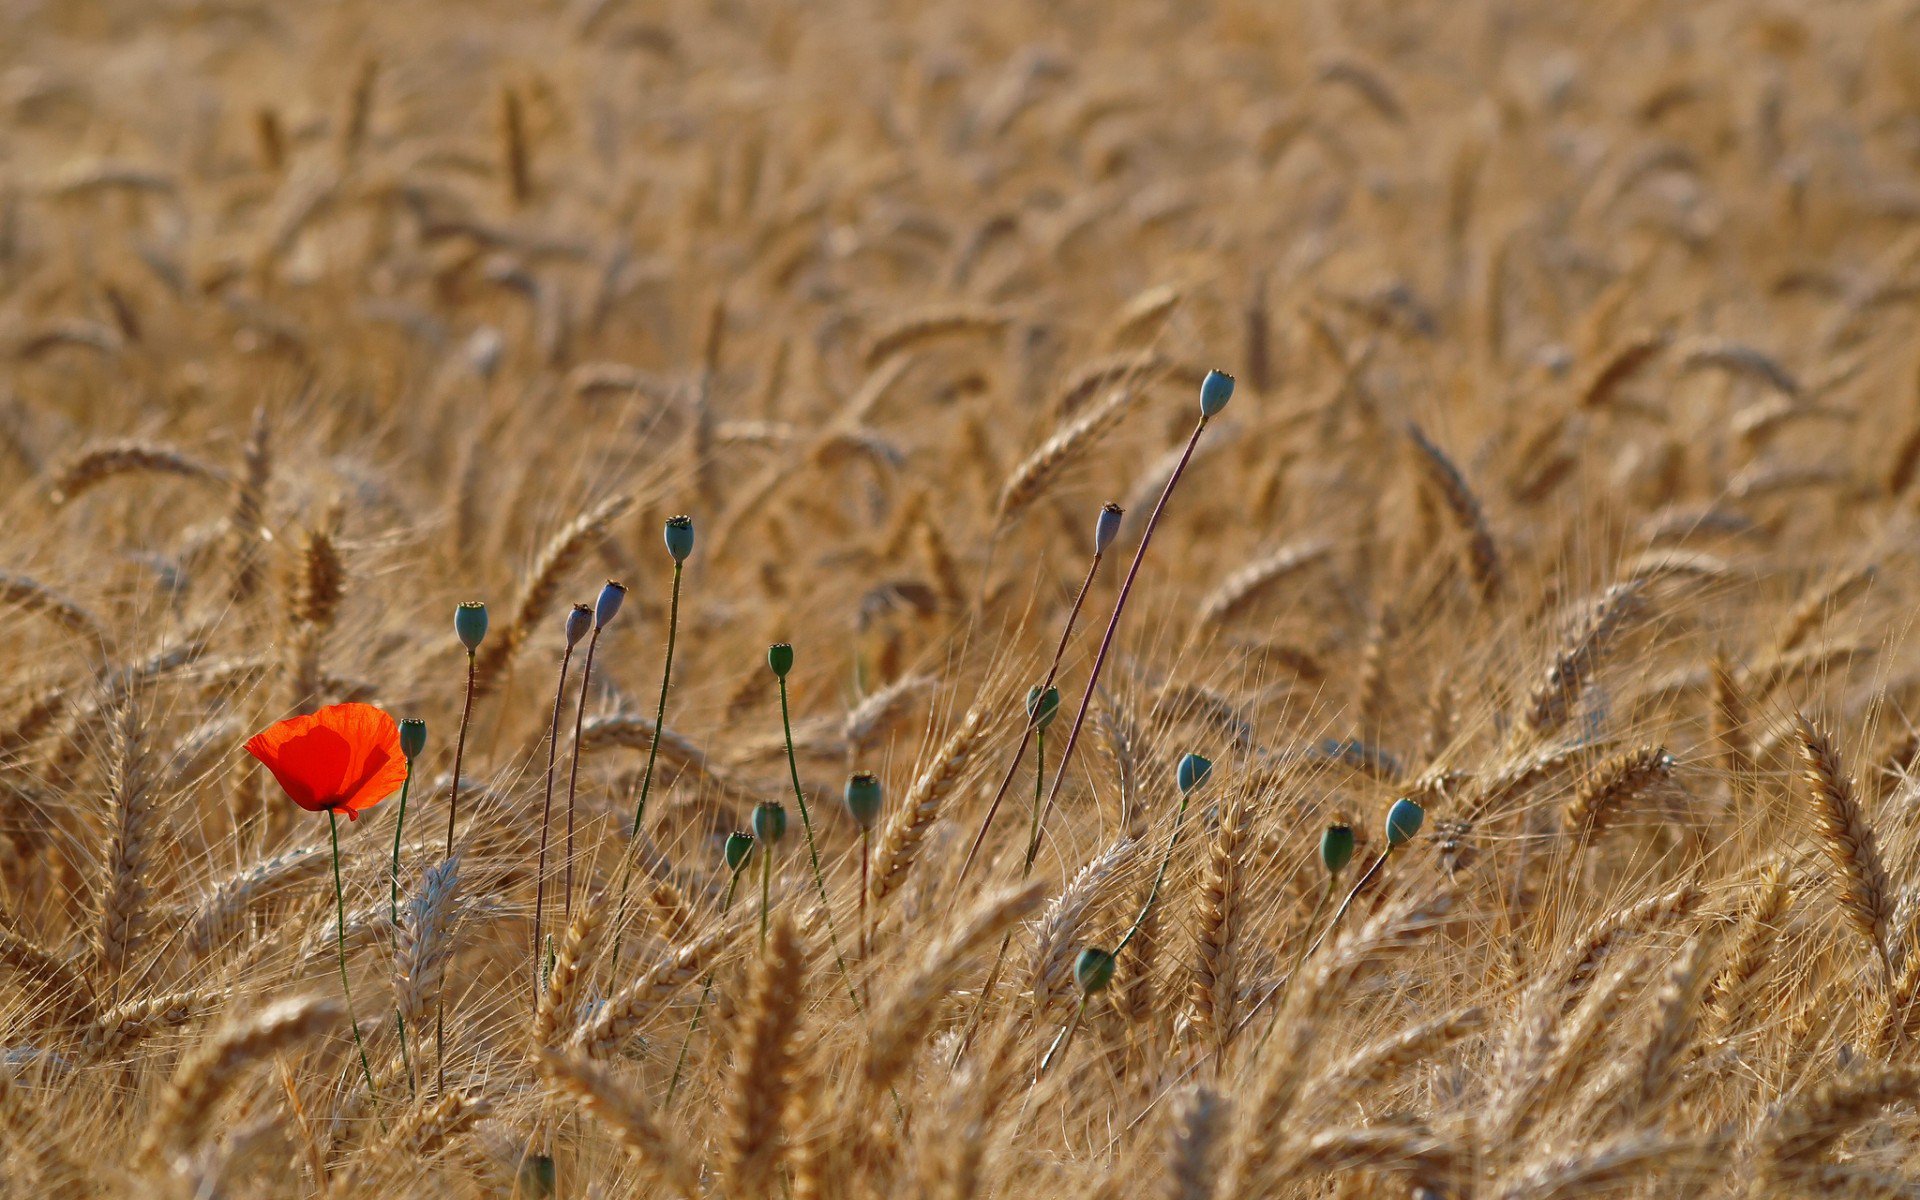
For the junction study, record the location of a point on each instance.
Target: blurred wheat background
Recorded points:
(1567, 490)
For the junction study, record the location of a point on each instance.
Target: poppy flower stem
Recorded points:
(393, 881)
(806, 826)
(1032, 727)
(460, 753)
(766, 889)
(406, 1060)
(1039, 779)
(1063, 1041)
(1348, 902)
(453, 812)
(1320, 906)
(646, 776)
(546, 814)
(767, 884)
(1113, 625)
(1153, 893)
(1033, 834)
(706, 993)
(399, 824)
(346, 987)
(1332, 924)
(573, 766)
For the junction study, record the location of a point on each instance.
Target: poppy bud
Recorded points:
(607, 607)
(1192, 773)
(739, 845)
(1215, 390)
(1093, 970)
(769, 822)
(1107, 527)
(780, 658)
(1336, 848)
(578, 622)
(413, 737)
(470, 623)
(863, 799)
(1042, 707)
(680, 537)
(1403, 821)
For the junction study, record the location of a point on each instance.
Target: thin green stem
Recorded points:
(646, 778)
(453, 813)
(766, 889)
(346, 986)
(1332, 924)
(806, 825)
(406, 1060)
(1039, 781)
(1160, 877)
(460, 754)
(393, 879)
(866, 855)
(1032, 726)
(706, 992)
(573, 767)
(1313, 919)
(546, 814)
(1026, 869)
(1348, 902)
(1033, 830)
(1064, 1039)
(399, 824)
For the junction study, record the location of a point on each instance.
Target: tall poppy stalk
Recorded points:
(739, 846)
(605, 609)
(1106, 528)
(340, 924)
(1215, 390)
(413, 741)
(470, 626)
(343, 758)
(577, 623)
(780, 659)
(679, 538)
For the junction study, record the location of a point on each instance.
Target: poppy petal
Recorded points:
(312, 767)
(385, 774)
(377, 768)
(345, 756)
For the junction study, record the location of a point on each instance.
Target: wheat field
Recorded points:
(1563, 508)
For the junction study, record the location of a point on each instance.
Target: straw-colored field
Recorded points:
(1567, 496)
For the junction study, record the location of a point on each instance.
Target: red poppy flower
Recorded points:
(344, 758)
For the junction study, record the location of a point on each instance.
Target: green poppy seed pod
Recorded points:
(680, 537)
(607, 607)
(1093, 970)
(780, 658)
(1042, 707)
(578, 622)
(1336, 848)
(1192, 773)
(1107, 527)
(413, 737)
(769, 822)
(739, 845)
(1215, 390)
(1403, 821)
(538, 1179)
(470, 624)
(863, 799)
